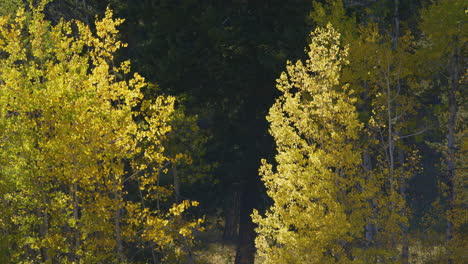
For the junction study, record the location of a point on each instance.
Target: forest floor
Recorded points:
(211, 249)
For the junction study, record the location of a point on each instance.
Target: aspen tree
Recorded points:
(317, 211)
(381, 70)
(68, 116)
(444, 50)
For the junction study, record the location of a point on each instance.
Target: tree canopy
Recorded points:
(357, 156)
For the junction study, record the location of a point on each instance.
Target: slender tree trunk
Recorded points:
(176, 179)
(451, 145)
(396, 19)
(45, 227)
(118, 236)
(77, 241)
(391, 143)
(85, 10)
(117, 216)
(370, 227)
(188, 249)
(245, 253)
(404, 226)
(390, 138)
(232, 208)
(391, 153)
(153, 254)
(76, 9)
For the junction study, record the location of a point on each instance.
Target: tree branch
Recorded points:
(414, 134)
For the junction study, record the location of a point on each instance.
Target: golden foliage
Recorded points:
(68, 125)
(318, 208)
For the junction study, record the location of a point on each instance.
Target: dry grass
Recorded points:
(212, 250)
(216, 253)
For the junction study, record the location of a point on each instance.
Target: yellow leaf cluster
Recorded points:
(315, 127)
(68, 127)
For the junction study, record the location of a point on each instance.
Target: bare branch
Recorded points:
(415, 133)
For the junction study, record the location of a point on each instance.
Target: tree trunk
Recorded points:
(370, 226)
(187, 248)
(451, 145)
(153, 254)
(404, 257)
(176, 179)
(76, 242)
(404, 226)
(391, 143)
(85, 10)
(118, 236)
(245, 253)
(232, 208)
(45, 227)
(396, 30)
(76, 10)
